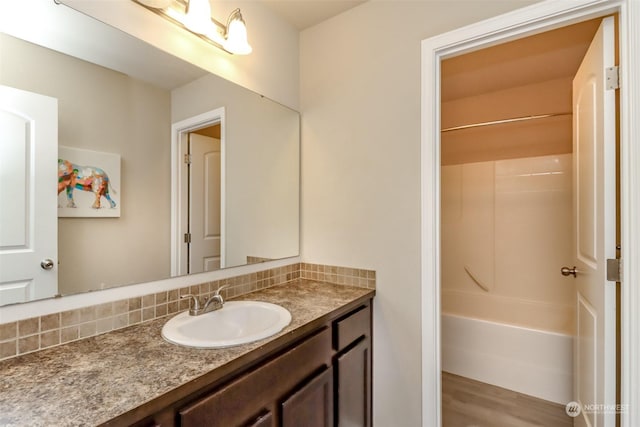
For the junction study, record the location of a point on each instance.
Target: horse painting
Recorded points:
(85, 178)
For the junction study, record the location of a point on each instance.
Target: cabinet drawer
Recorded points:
(242, 400)
(352, 327)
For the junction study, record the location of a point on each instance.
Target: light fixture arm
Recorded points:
(235, 15)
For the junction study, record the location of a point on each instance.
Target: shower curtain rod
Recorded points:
(498, 122)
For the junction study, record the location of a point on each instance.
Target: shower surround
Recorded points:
(507, 312)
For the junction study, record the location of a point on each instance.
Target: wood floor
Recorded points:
(469, 403)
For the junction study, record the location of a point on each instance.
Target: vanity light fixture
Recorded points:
(195, 17)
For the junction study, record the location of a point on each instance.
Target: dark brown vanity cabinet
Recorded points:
(321, 379)
(285, 388)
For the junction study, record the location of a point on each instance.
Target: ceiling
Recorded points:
(307, 13)
(542, 57)
(525, 77)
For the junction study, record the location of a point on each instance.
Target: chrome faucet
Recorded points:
(214, 302)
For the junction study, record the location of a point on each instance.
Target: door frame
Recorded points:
(179, 218)
(540, 17)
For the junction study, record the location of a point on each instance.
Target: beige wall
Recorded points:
(360, 101)
(262, 175)
(102, 110)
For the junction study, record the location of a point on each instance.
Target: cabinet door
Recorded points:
(312, 405)
(354, 386)
(243, 400)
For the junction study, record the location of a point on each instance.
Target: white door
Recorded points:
(204, 205)
(595, 232)
(28, 196)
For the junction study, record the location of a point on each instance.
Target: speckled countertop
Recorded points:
(94, 380)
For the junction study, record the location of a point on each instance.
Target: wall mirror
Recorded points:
(202, 161)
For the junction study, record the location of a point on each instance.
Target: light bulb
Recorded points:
(198, 17)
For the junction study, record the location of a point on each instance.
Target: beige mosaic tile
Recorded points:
(135, 316)
(49, 322)
(8, 331)
(54, 329)
(339, 275)
(69, 334)
(104, 310)
(28, 344)
(120, 307)
(8, 349)
(50, 338)
(135, 303)
(28, 327)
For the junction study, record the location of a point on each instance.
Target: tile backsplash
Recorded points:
(29, 335)
(339, 275)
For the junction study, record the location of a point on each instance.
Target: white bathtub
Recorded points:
(529, 361)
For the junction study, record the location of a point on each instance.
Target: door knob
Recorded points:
(47, 264)
(566, 271)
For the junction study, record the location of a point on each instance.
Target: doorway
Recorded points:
(198, 194)
(203, 233)
(531, 20)
(506, 217)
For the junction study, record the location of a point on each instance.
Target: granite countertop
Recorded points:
(91, 381)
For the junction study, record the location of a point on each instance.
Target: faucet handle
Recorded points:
(217, 291)
(194, 299)
(216, 294)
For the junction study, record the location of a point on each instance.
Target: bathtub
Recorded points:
(533, 362)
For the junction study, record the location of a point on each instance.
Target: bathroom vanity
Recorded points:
(318, 369)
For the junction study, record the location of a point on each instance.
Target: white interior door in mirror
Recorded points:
(28, 175)
(594, 138)
(204, 223)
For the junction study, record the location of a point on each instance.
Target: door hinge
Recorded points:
(187, 159)
(612, 76)
(614, 270)
(187, 237)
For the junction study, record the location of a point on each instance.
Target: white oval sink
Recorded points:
(238, 322)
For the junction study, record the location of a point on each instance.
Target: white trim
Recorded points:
(178, 132)
(630, 209)
(223, 192)
(530, 20)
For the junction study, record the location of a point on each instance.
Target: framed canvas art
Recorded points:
(88, 183)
